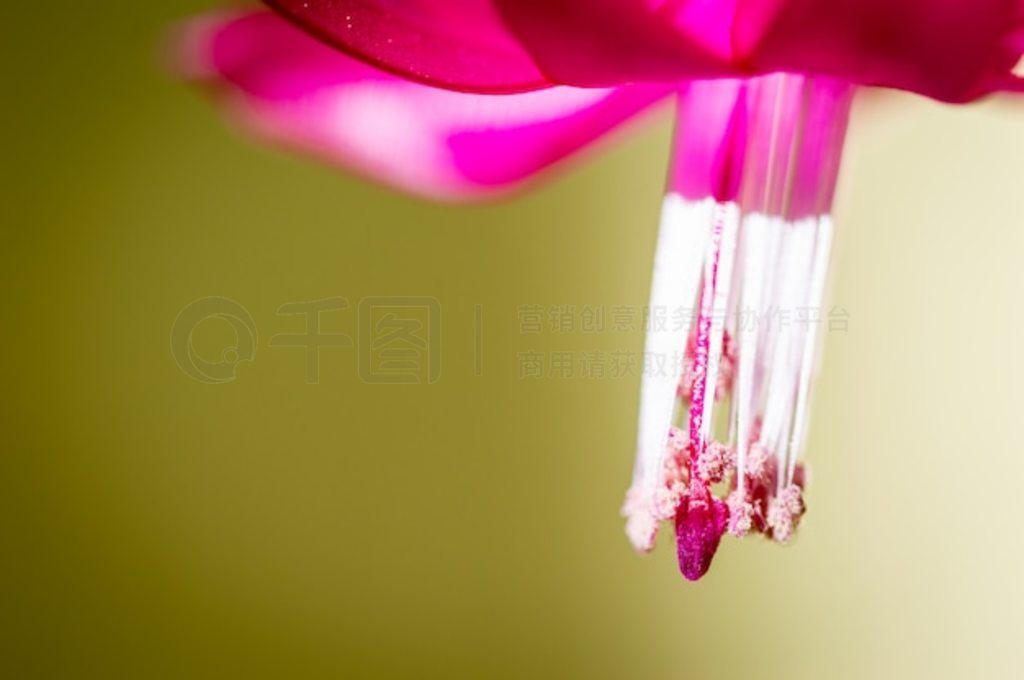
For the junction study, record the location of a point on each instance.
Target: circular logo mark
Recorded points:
(183, 348)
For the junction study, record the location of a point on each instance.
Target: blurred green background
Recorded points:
(157, 527)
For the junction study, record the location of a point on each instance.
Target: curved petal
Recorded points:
(460, 45)
(291, 88)
(953, 50)
(604, 42)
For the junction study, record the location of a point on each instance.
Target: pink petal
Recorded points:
(711, 139)
(291, 88)
(604, 42)
(953, 50)
(456, 44)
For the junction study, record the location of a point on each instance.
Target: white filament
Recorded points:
(748, 326)
(682, 241)
(795, 263)
(815, 297)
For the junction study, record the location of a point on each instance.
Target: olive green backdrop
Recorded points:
(155, 526)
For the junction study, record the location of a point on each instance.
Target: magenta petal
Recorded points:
(711, 140)
(604, 42)
(291, 88)
(817, 156)
(456, 44)
(952, 50)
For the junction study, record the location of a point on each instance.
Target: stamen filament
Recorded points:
(745, 235)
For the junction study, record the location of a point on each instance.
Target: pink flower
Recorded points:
(459, 99)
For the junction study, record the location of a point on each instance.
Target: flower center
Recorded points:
(742, 258)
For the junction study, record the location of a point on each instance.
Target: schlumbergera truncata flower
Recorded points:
(457, 99)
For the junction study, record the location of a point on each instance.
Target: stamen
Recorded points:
(741, 514)
(768, 171)
(678, 262)
(793, 271)
(817, 168)
(745, 236)
(784, 512)
(819, 270)
(713, 463)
